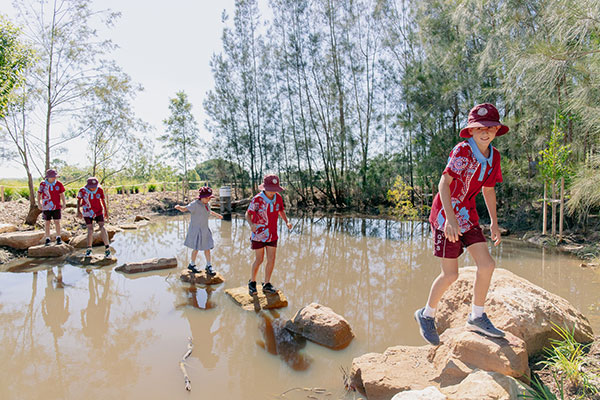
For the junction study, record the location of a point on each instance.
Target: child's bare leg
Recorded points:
(485, 269)
(207, 256)
(47, 227)
(194, 255)
(271, 253)
(90, 234)
(448, 275)
(260, 255)
(57, 226)
(103, 233)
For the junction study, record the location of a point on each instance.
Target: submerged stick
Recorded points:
(188, 382)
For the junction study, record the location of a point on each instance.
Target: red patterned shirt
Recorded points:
(91, 204)
(265, 213)
(470, 171)
(50, 195)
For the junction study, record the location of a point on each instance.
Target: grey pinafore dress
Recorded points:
(199, 236)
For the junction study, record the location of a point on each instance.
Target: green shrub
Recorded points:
(9, 194)
(135, 189)
(24, 193)
(71, 193)
(151, 187)
(120, 190)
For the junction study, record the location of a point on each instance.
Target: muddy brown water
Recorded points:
(71, 333)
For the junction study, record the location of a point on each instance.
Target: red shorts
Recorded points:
(444, 248)
(254, 245)
(48, 215)
(97, 218)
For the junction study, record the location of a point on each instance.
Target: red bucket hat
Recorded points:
(51, 174)
(204, 192)
(92, 183)
(483, 115)
(271, 184)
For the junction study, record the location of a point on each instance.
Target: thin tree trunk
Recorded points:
(553, 207)
(545, 210)
(562, 209)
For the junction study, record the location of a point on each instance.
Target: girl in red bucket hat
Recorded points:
(262, 215)
(199, 236)
(473, 166)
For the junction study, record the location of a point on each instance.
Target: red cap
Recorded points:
(204, 192)
(483, 115)
(92, 183)
(271, 184)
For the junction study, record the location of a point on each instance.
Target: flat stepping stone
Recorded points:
(152, 264)
(54, 250)
(201, 278)
(25, 239)
(259, 301)
(80, 241)
(7, 228)
(128, 226)
(93, 260)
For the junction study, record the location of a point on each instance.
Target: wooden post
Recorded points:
(545, 210)
(553, 207)
(2, 193)
(562, 209)
(144, 188)
(177, 190)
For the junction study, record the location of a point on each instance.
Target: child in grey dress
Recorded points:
(199, 236)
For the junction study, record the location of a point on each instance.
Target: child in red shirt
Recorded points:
(262, 215)
(473, 167)
(90, 200)
(51, 198)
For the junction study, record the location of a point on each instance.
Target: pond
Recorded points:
(67, 332)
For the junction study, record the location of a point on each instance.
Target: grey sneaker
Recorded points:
(484, 325)
(427, 327)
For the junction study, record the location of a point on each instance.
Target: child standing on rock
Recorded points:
(92, 207)
(199, 236)
(51, 198)
(473, 166)
(262, 215)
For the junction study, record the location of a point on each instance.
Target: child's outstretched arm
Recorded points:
(181, 208)
(451, 229)
(489, 195)
(283, 216)
(214, 214)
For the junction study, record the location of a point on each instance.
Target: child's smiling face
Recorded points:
(483, 136)
(51, 180)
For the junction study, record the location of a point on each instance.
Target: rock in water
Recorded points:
(26, 239)
(515, 305)
(93, 260)
(402, 368)
(50, 251)
(429, 393)
(141, 218)
(259, 301)
(201, 278)
(321, 325)
(6, 228)
(80, 241)
(484, 385)
(152, 264)
(128, 226)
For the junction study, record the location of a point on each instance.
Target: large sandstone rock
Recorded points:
(26, 239)
(80, 241)
(128, 226)
(95, 260)
(201, 278)
(259, 301)
(484, 385)
(141, 218)
(5, 228)
(321, 325)
(49, 251)
(401, 368)
(152, 264)
(429, 393)
(515, 305)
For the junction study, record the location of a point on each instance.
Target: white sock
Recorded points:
(193, 263)
(429, 312)
(208, 264)
(476, 311)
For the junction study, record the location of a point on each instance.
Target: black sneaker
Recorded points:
(47, 241)
(268, 288)
(427, 327)
(88, 252)
(252, 288)
(58, 241)
(193, 268)
(210, 271)
(107, 253)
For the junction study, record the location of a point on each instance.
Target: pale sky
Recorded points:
(166, 47)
